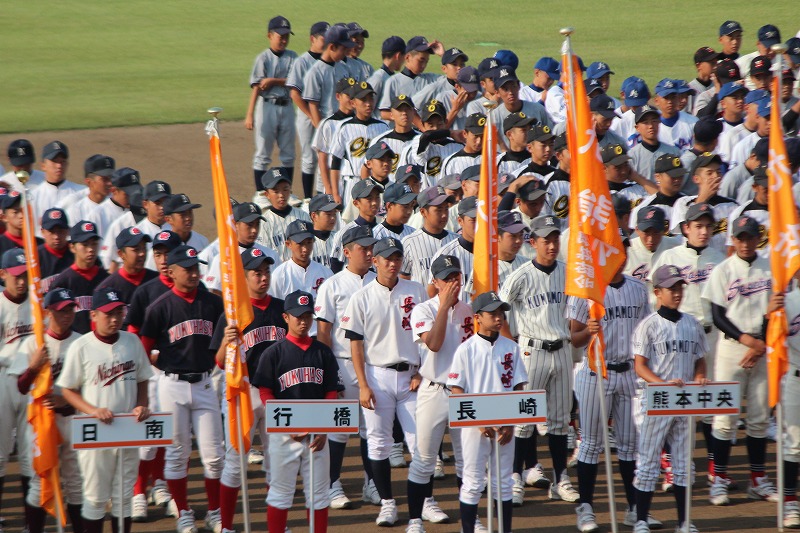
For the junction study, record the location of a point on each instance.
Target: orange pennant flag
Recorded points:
(238, 309)
(484, 270)
(784, 242)
(595, 252)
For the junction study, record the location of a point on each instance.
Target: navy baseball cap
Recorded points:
(769, 35)
(323, 202)
(409, 171)
(598, 69)
(100, 165)
(651, 217)
(475, 123)
(253, 257)
(614, 154)
(168, 239)
(671, 165)
(591, 85)
(183, 256)
(544, 225)
(667, 276)
(533, 190)
(131, 236)
(468, 207)
(156, 190)
(378, 150)
(20, 152)
(319, 28)
(299, 230)
(622, 205)
(727, 70)
(298, 303)
(13, 261)
(550, 66)
(746, 224)
(340, 36)
(450, 55)
(507, 57)
(731, 88)
(504, 75)
(106, 299)
(399, 193)
(793, 49)
(83, 231)
(728, 27)
(178, 203)
(504, 180)
(10, 199)
(393, 45)
(444, 265)
(127, 179)
(488, 302)
(449, 182)
(636, 92)
(511, 222)
(760, 176)
(361, 235)
(355, 29)
(434, 107)
(53, 149)
(754, 96)
(468, 79)
(280, 25)
(643, 111)
(364, 188)
(517, 120)
(487, 68)
(401, 100)
(247, 212)
(471, 173)
(604, 106)
(58, 299)
(706, 54)
(540, 133)
(54, 218)
(560, 142)
(418, 44)
(666, 87)
(705, 131)
(699, 210)
(273, 176)
(386, 247)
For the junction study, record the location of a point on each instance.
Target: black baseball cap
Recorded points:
(361, 235)
(760, 176)
(319, 28)
(54, 218)
(344, 85)
(247, 212)
(468, 207)
(433, 196)
(401, 100)
(156, 190)
(793, 49)
(434, 107)
(104, 299)
(450, 55)
(643, 111)
(13, 261)
(83, 231)
(746, 224)
(699, 210)
(503, 75)
(488, 68)
(298, 303)
(361, 90)
(273, 176)
(408, 171)
(10, 199)
(488, 302)
(168, 239)
(671, 165)
(253, 257)
(184, 256)
(323, 202)
(475, 123)
(706, 54)
(178, 203)
(127, 179)
(444, 265)
(364, 188)
(280, 25)
(504, 180)
(760, 65)
(540, 133)
(378, 150)
(728, 27)
(53, 149)
(392, 45)
(59, 298)
(471, 173)
(651, 217)
(511, 222)
(355, 29)
(467, 78)
(386, 247)
(340, 36)
(603, 105)
(727, 70)
(591, 85)
(418, 44)
(131, 236)
(560, 142)
(100, 165)
(667, 276)
(614, 154)
(706, 131)
(769, 35)
(517, 120)
(533, 190)
(299, 230)
(20, 152)
(703, 160)
(449, 182)
(544, 225)
(399, 193)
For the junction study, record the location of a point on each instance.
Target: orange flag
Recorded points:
(238, 309)
(595, 251)
(784, 242)
(47, 437)
(484, 270)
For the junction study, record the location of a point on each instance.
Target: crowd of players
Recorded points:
(364, 288)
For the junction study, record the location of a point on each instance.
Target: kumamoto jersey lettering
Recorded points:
(419, 248)
(672, 348)
(538, 301)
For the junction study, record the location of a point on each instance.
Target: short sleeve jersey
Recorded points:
(436, 365)
(292, 373)
(483, 366)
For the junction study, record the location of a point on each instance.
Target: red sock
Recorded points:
(158, 464)
(320, 520)
(756, 475)
(792, 498)
(177, 487)
(212, 491)
(276, 518)
(227, 504)
(711, 467)
(145, 469)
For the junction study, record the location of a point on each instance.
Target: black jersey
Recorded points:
(143, 296)
(292, 373)
(51, 264)
(82, 287)
(126, 286)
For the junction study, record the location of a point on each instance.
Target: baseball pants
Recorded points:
(232, 471)
(552, 372)
(478, 451)
(305, 134)
(69, 470)
(100, 471)
(194, 407)
(753, 382)
(392, 396)
(348, 374)
(290, 457)
(790, 398)
(712, 337)
(148, 453)
(13, 420)
(273, 124)
(432, 420)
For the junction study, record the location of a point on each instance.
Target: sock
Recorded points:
(587, 477)
(115, 524)
(290, 172)
(429, 489)
(26, 484)
(145, 469)
(365, 459)
(416, 499)
(92, 526)
(558, 452)
(337, 457)
(757, 452)
(227, 504)
(520, 448)
(790, 471)
(722, 454)
(276, 518)
(75, 518)
(709, 436)
(643, 500)
(441, 449)
(177, 487)
(680, 502)
(34, 519)
(459, 481)
(257, 175)
(212, 491)
(397, 431)
(382, 476)
(157, 472)
(627, 470)
(320, 520)
(531, 452)
(507, 510)
(469, 513)
(308, 184)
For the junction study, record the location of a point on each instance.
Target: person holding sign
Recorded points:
(668, 347)
(106, 372)
(486, 363)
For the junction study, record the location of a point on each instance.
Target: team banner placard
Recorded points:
(485, 270)
(312, 416)
(124, 431)
(693, 399)
(498, 409)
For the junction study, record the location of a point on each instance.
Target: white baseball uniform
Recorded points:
(289, 277)
(213, 279)
(678, 131)
(47, 195)
(418, 251)
(758, 212)
(722, 208)
(273, 228)
(462, 249)
(640, 261)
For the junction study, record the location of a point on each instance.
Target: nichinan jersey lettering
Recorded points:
(332, 299)
(743, 289)
(272, 233)
(538, 302)
(418, 251)
(671, 347)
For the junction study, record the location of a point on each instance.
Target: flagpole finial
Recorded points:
(779, 48)
(489, 105)
(22, 176)
(211, 125)
(214, 111)
(566, 32)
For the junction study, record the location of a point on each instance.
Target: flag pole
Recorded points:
(567, 50)
(601, 398)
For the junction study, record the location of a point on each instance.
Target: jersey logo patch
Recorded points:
(108, 374)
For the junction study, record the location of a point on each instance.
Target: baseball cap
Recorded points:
(667, 276)
(156, 190)
(433, 107)
(517, 120)
(104, 299)
(683, 87)
(58, 299)
(378, 150)
(760, 65)
(703, 160)
(355, 29)
(449, 182)
(127, 179)
(475, 123)
(83, 231)
(671, 165)
(100, 165)
(699, 210)
(418, 44)
(403, 174)
(280, 25)
(614, 154)
(666, 87)
(178, 203)
(533, 190)
(344, 85)
(319, 28)
(54, 218)
(760, 176)
(636, 92)
(706, 54)
(361, 235)
(53, 149)
(598, 69)
(544, 225)
(651, 217)
(487, 68)
(755, 95)
(361, 90)
(131, 236)
(168, 239)
(468, 207)
(788, 75)
(622, 205)
(769, 35)
(643, 111)
(386, 247)
(728, 27)
(468, 79)
(504, 180)
(764, 107)
(444, 265)
(705, 131)
(591, 85)
(511, 222)
(399, 193)
(727, 70)
(298, 303)
(433, 196)
(471, 173)
(731, 88)
(401, 100)
(539, 132)
(507, 57)
(505, 74)
(10, 199)
(449, 56)
(253, 257)
(183, 256)
(13, 261)
(604, 106)
(20, 152)
(273, 176)
(488, 302)
(323, 202)
(560, 142)
(392, 45)
(299, 230)
(340, 36)
(746, 224)
(550, 66)
(364, 187)
(246, 212)
(793, 49)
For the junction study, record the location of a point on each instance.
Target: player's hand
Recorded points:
(48, 402)
(702, 381)
(57, 401)
(487, 432)
(142, 412)
(265, 84)
(593, 326)
(460, 100)
(676, 381)
(39, 358)
(248, 122)
(458, 136)
(366, 398)
(103, 415)
(519, 182)
(231, 334)
(505, 434)
(750, 358)
(437, 47)
(416, 379)
(448, 298)
(318, 444)
(757, 345)
(154, 356)
(776, 302)
(337, 198)
(299, 437)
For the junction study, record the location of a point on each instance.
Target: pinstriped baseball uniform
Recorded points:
(323, 248)
(512, 162)
(272, 233)
(455, 163)
(432, 158)
(626, 305)
(418, 251)
(383, 230)
(542, 172)
(666, 204)
(634, 192)
(557, 197)
(527, 249)
(505, 268)
(319, 85)
(337, 250)
(462, 249)
(351, 140)
(302, 124)
(643, 160)
(722, 209)
(396, 142)
(323, 138)
(672, 342)
(273, 122)
(761, 215)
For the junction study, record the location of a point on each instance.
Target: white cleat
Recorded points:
(139, 510)
(396, 457)
(718, 493)
(534, 477)
(641, 527)
(388, 515)
(431, 512)
(517, 491)
(791, 515)
(563, 490)
(185, 523)
(682, 528)
(587, 523)
(339, 499)
(255, 457)
(415, 526)
(761, 488)
(369, 493)
(159, 494)
(213, 521)
(172, 509)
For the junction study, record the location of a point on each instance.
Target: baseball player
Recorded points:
(278, 215)
(97, 170)
(453, 60)
(603, 109)
(540, 147)
(669, 177)
(515, 128)
(377, 322)
(435, 144)
(377, 166)
(649, 243)
(546, 74)
(12, 217)
(487, 70)
(706, 138)
(21, 156)
(59, 309)
(730, 37)
(55, 187)
(179, 214)
(730, 136)
(647, 122)
(422, 245)
(741, 150)
(740, 293)
(323, 138)
(676, 129)
(132, 250)
(320, 80)
(366, 195)
(412, 78)
(354, 62)
(270, 113)
(486, 362)
(324, 211)
(789, 396)
(768, 35)
(125, 183)
(622, 179)
(668, 347)
(511, 232)
(105, 373)
(393, 52)
(399, 200)
(470, 154)
(180, 325)
(461, 247)
(535, 293)
(634, 94)
(526, 196)
(508, 87)
(757, 209)
(402, 114)
(54, 253)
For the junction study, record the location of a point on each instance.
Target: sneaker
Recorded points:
(586, 520)
(255, 457)
(214, 521)
(446, 457)
(641, 527)
(791, 515)
(415, 526)
(396, 457)
(692, 529)
(369, 493)
(630, 519)
(431, 512)
(517, 491)
(438, 471)
(338, 498)
(388, 515)
(479, 527)
(172, 509)
(718, 494)
(732, 485)
(159, 494)
(761, 488)
(563, 490)
(186, 522)
(573, 459)
(139, 511)
(534, 477)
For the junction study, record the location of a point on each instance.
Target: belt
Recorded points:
(548, 346)
(754, 335)
(619, 367)
(707, 329)
(67, 410)
(278, 100)
(189, 377)
(399, 367)
(797, 373)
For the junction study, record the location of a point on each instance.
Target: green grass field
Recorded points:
(95, 63)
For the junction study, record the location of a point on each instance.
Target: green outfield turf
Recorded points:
(92, 63)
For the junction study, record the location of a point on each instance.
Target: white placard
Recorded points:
(498, 409)
(312, 416)
(716, 398)
(123, 432)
